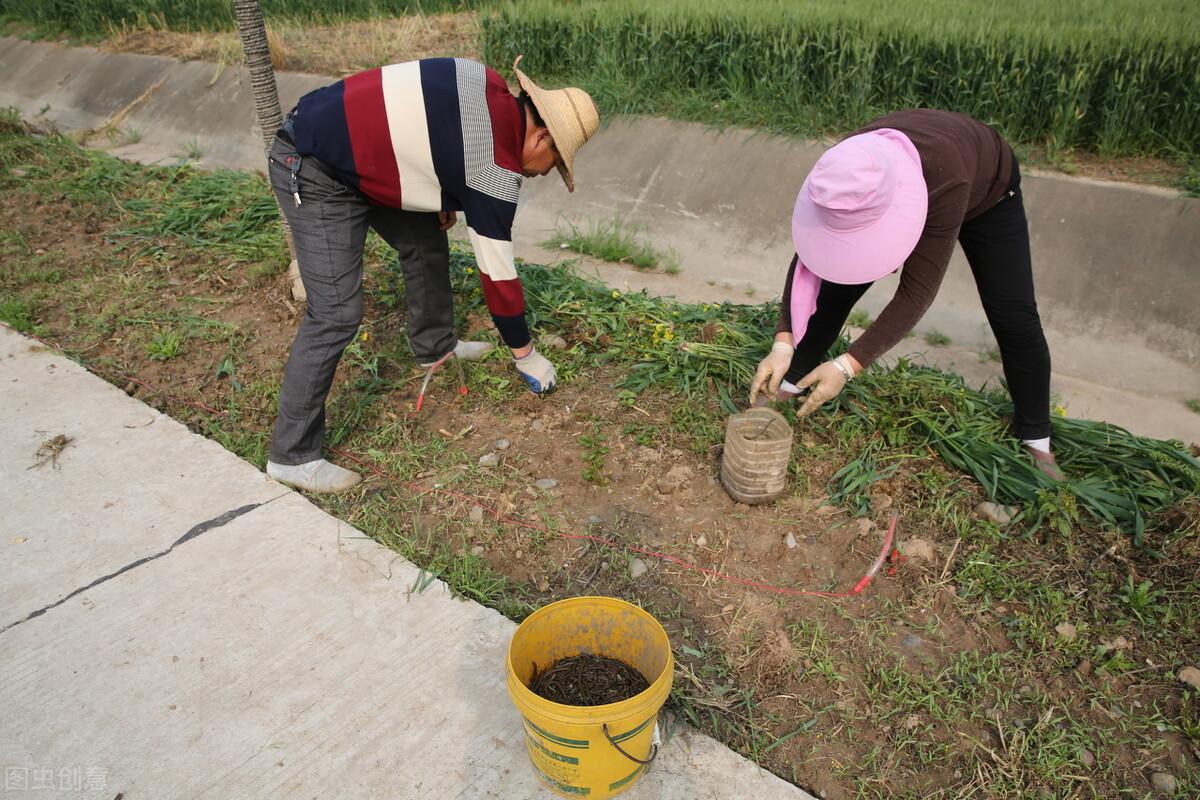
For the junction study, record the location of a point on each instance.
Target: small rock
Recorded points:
(918, 549)
(537, 425)
(502, 444)
(477, 550)
(994, 512)
(647, 455)
(702, 541)
(864, 525)
(476, 514)
(1164, 783)
(489, 460)
(1120, 643)
(1190, 676)
(594, 520)
(1086, 758)
(1066, 630)
(790, 541)
(517, 555)
(553, 341)
(912, 641)
(881, 502)
(545, 484)
(637, 568)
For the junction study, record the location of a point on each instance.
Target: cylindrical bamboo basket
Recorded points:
(758, 446)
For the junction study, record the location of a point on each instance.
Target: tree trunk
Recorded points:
(253, 31)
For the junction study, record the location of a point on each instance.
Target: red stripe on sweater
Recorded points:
(508, 122)
(503, 298)
(370, 140)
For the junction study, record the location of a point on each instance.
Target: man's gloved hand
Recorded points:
(825, 383)
(537, 371)
(771, 370)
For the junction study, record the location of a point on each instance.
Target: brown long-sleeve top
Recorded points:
(967, 168)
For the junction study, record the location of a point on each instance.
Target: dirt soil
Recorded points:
(845, 696)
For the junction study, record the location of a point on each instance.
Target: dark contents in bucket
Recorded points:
(587, 680)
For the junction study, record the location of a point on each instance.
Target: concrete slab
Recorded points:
(119, 491)
(277, 652)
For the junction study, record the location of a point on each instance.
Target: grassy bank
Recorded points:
(1115, 78)
(95, 18)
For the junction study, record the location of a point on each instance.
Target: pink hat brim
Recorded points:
(869, 253)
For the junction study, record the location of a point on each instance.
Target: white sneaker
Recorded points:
(315, 476)
(467, 351)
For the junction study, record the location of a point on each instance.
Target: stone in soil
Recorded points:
(1164, 783)
(502, 444)
(489, 460)
(637, 568)
(790, 541)
(545, 484)
(477, 550)
(1066, 630)
(1190, 676)
(587, 680)
(994, 512)
(918, 549)
(476, 514)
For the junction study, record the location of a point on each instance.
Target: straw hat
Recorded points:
(570, 116)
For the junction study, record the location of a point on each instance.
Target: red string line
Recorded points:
(888, 539)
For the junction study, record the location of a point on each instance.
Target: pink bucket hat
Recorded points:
(858, 216)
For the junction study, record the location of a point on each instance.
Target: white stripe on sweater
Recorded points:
(495, 257)
(404, 103)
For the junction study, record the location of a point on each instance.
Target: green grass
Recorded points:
(164, 346)
(1116, 78)
(1193, 404)
(612, 240)
(95, 18)
(936, 339)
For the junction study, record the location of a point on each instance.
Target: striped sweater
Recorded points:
(441, 134)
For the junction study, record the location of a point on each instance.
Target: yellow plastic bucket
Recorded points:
(590, 751)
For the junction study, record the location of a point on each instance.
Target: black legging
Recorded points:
(996, 244)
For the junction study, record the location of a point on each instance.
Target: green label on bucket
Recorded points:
(579, 744)
(612, 787)
(562, 787)
(550, 753)
(630, 734)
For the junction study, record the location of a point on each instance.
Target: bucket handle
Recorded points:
(653, 748)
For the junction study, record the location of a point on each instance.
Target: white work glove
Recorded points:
(771, 370)
(825, 383)
(537, 371)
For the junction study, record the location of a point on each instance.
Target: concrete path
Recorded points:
(174, 624)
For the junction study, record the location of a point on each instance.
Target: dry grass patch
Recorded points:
(325, 49)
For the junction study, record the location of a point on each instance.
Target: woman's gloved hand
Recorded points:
(771, 370)
(826, 382)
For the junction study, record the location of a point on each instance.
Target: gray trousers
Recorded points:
(329, 227)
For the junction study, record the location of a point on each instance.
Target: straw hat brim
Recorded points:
(570, 116)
